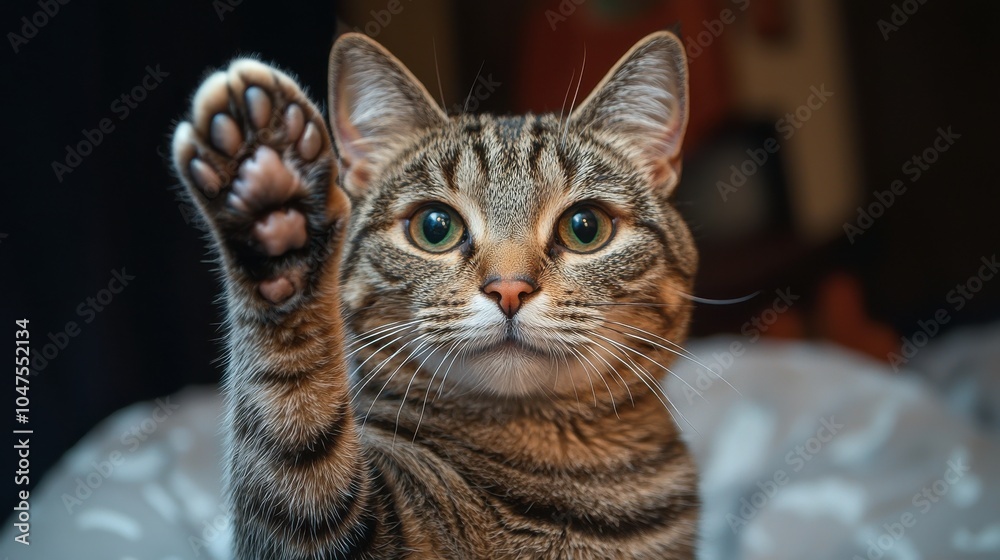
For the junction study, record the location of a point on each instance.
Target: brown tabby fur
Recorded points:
(388, 409)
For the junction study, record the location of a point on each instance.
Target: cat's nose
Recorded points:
(509, 293)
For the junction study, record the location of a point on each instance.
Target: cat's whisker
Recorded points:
(665, 368)
(569, 86)
(371, 375)
(402, 402)
(639, 375)
(444, 378)
(601, 377)
(430, 388)
(681, 351)
(711, 301)
(465, 108)
(437, 70)
(652, 383)
(689, 355)
(577, 92)
(634, 304)
(562, 355)
(395, 326)
(613, 371)
(423, 344)
(593, 389)
(405, 330)
(383, 347)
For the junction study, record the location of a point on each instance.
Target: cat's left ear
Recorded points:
(376, 105)
(643, 103)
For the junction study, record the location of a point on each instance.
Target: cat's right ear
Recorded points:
(375, 105)
(643, 104)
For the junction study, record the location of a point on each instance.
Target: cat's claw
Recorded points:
(251, 140)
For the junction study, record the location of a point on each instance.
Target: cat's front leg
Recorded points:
(257, 160)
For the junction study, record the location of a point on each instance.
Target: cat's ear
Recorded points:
(375, 104)
(643, 104)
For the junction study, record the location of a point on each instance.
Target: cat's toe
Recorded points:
(263, 181)
(225, 134)
(259, 107)
(205, 177)
(310, 143)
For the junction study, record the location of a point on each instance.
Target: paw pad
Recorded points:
(252, 138)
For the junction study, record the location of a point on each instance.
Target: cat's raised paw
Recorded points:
(257, 159)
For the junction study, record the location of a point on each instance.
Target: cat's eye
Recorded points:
(436, 228)
(585, 229)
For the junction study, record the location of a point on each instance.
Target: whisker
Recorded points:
(381, 364)
(562, 355)
(717, 301)
(652, 382)
(686, 353)
(437, 70)
(569, 86)
(465, 109)
(383, 347)
(689, 355)
(419, 348)
(444, 378)
(430, 387)
(642, 378)
(398, 326)
(402, 401)
(601, 377)
(571, 105)
(635, 304)
(665, 368)
(575, 353)
(612, 369)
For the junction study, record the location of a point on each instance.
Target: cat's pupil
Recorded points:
(584, 226)
(437, 225)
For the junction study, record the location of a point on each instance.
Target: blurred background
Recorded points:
(839, 153)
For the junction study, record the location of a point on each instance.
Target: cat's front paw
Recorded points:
(256, 157)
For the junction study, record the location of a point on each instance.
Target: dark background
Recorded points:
(119, 207)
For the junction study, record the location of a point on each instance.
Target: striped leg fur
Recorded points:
(256, 158)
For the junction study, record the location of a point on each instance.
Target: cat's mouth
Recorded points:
(512, 342)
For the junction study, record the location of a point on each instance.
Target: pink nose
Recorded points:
(509, 293)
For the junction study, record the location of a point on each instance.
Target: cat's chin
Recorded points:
(510, 348)
(509, 367)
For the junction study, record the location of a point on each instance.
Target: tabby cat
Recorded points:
(446, 334)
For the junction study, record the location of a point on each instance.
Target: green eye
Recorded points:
(585, 229)
(436, 228)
